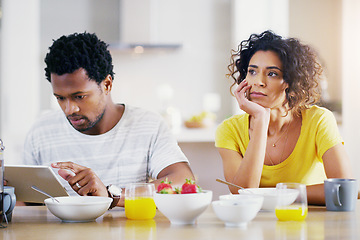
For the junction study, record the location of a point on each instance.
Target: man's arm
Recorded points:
(85, 182)
(176, 173)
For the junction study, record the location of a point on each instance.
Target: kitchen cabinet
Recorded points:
(124, 24)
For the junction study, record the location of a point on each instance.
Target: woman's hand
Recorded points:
(245, 104)
(83, 180)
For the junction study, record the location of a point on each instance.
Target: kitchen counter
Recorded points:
(196, 135)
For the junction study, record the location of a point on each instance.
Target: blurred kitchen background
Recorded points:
(171, 56)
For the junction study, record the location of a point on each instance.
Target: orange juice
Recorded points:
(291, 213)
(139, 208)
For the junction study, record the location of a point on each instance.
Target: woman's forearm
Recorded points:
(316, 194)
(250, 169)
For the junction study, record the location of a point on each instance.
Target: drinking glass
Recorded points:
(291, 202)
(139, 201)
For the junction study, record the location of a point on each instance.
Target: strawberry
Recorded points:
(190, 187)
(165, 187)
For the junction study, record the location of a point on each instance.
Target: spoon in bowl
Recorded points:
(42, 192)
(231, 184)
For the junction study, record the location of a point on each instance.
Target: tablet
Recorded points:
(22, 177)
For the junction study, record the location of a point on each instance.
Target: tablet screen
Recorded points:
(22, 177)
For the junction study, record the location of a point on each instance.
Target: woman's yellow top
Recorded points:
(319, 132)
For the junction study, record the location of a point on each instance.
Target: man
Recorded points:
(117, 143)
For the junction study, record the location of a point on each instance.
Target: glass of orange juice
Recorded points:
(139, 201)
(291, 202)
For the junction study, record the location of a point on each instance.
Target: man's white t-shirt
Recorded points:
(138, 147)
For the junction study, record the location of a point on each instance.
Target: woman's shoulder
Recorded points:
(233, 122)
(235, 119)
(316, 110)
(316, 113)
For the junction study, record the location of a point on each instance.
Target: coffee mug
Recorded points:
(340, 194)
(9, 202)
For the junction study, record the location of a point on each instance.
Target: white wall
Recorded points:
(319, 23)
(351, 80)
(20, 100)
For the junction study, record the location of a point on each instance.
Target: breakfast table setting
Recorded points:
(190, 212)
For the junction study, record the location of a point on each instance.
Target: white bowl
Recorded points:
(183, 208)
(271, 196)
(237, 210)
(233, 197)
(78, 209)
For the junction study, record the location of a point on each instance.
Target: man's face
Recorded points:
(82, 100)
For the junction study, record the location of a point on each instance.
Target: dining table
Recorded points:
(36, 222)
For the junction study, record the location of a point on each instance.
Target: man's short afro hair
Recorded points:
(79, 50)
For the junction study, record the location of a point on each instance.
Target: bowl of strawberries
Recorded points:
(184, 204)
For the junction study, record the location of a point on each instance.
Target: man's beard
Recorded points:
(90, 124)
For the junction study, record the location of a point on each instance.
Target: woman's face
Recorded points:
(265, 76)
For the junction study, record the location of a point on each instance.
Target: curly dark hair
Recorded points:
(301, 69)
(79, 50)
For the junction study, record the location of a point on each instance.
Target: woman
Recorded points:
(282, 137)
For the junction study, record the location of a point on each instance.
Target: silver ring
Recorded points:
(78, 185)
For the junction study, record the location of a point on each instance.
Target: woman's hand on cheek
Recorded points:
(241, 95)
